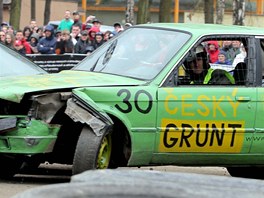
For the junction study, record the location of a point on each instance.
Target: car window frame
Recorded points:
(251, 81)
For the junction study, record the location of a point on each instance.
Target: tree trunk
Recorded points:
(47, 12)
(238, 12)
(209, 11)
(15, 13)
(33, 9)
(143, 11)
(130, 11)
(165, 11)
(220, 11)
(1, 10)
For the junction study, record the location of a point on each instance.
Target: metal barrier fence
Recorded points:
(54, 63)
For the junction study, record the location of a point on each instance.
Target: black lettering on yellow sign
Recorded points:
(210, 136)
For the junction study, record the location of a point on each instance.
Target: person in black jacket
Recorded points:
(83, 42)
(99, 40)
(47, 44)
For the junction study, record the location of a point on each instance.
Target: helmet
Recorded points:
(199, 51)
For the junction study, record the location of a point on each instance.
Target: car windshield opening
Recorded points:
(142, 56)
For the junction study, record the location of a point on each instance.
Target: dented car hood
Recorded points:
(14, 88)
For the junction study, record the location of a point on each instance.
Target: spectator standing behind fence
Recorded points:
(34, 43)
(10, 40)
(108, 35)
(99, 40)
(2, 36)
(118, 28)
(92, 33)
(77, 21)
(65, 45)
(11, 30)
(40, 32)
(27, 33)
(75, 33)
(19, 47)
(20, 37)
(33, 25)
(66, 23)
(82, 44)
(213, 51)
(96, 23)
(47, 44)
(4, 26)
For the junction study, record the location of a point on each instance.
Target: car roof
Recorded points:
(206, 29)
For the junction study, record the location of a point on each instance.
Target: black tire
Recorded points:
(9, 166)
(92, 151)
(148, 184)
(246, 172)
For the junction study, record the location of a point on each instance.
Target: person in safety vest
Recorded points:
(198, 67)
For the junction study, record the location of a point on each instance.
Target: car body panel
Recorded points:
(13, 88)
(138, 84)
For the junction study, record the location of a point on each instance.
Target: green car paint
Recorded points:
(14, 88)
(133, 90)
(29, 137)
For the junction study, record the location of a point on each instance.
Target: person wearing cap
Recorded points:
(77, 20)
(47, 44)
(83, 43)
(58, 35)
(4, 28)
(118, 28)
(92, 31)
(19, 47)
(99, 40)
(67, 22)
(96, 23)
(197, 66)
(4, 24)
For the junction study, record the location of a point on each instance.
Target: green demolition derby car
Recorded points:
(142, 99)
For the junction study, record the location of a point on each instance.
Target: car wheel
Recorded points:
(9, 167)
(246, 172)
(92, 151)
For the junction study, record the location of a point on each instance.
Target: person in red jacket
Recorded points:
(92, 33)
(20, 37)
(213, 51)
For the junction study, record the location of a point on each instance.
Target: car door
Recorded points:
(204, 120)
(258, 138)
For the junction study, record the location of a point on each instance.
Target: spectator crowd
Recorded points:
(71, 36)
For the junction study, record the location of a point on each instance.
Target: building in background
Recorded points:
(58, 8)
(110, 11)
